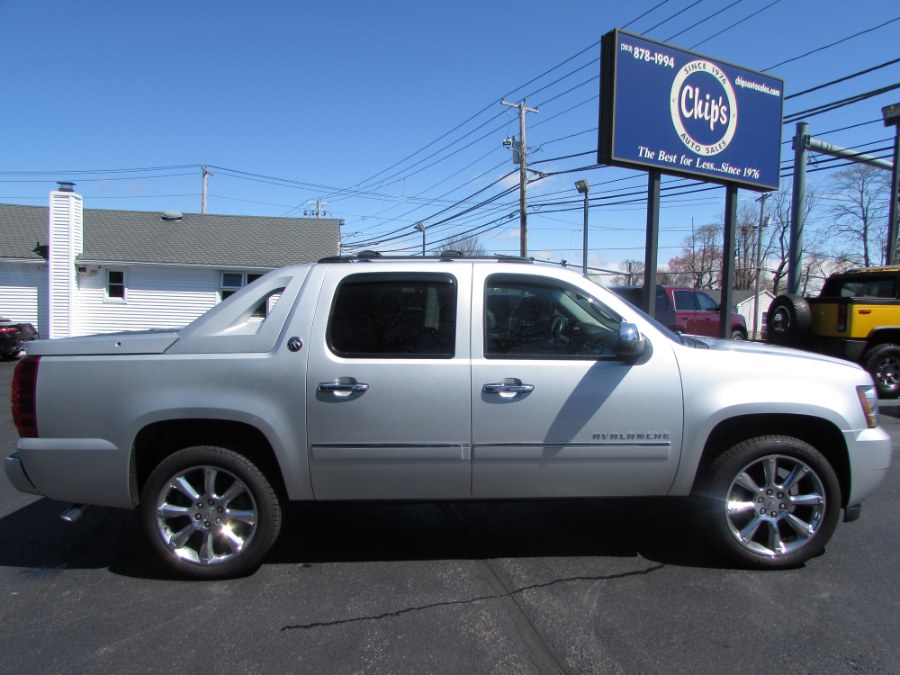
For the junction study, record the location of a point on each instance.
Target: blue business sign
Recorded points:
(669, 109)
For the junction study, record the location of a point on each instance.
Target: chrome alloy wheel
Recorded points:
(775, 505)
(206, 515)
(887, 373)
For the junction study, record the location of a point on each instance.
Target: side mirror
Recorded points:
(631, 345)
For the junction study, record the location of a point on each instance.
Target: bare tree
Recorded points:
(700, 262)
(632, 274)
(859, 203)
(776, 252)
(467, 245)
(745, 246)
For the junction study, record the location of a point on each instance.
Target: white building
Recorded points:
(747, 304)
(75, 271)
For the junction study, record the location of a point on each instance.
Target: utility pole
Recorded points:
(318, 212)
(523, 173)
(206, 175)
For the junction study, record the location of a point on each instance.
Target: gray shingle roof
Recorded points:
(144, 237)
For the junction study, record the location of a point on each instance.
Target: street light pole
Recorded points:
(421, 228)
(584, 187)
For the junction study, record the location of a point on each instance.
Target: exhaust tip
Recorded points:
(73, 513)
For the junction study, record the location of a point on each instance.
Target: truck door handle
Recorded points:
(508, 388)
(343, 387)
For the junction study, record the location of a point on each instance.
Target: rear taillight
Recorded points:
(841, 318)
(24, 396)
(8, 329)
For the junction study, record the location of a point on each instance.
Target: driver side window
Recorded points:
(535, 318)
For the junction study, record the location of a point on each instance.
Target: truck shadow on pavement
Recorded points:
(665, 531)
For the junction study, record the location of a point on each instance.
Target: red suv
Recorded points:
(686, 310)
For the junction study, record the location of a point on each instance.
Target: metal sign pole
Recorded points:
(652, 247)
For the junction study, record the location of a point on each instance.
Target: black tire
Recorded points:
(789, 319)
(883, 363)
(738, 335)
(773, 502)
(210, 513)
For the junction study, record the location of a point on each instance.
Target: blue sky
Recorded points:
(390, 112)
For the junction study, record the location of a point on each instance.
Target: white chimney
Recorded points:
(66, 239)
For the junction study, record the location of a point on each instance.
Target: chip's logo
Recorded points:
(703, 107)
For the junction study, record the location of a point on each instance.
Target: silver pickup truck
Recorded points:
(442, 378)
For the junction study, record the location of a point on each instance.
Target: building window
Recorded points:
(115, 285)
(231, 282)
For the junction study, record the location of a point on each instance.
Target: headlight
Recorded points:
(868, 399)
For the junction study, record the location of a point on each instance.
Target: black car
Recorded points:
(13, 336)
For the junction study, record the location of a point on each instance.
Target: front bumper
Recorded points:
(869, 451)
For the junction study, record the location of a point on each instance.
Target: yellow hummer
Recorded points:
(856, 316)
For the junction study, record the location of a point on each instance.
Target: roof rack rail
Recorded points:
(367, 256)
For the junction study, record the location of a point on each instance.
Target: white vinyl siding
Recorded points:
(23, 293)
(65, 238)
(157, 297)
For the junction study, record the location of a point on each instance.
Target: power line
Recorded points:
(843, 79)
(94, 180)
(656, 26)
(753, 14)
(714, 14)
(652, 9)
(80, 172)
(834, 44)
(488, 107)
(678, 13)
(841, 103)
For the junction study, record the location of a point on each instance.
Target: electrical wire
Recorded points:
(678, 13)
(754, 13)
(704, 20)
(834, 44)
(843, 79)
(835, 105)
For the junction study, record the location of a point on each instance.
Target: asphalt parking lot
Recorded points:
(612, 586)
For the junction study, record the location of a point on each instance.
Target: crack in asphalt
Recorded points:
(480, 598)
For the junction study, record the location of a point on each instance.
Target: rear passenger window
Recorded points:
(869, 288)
(394, 316)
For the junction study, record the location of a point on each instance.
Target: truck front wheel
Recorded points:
(773, 501)
(883, 362)
(210, 513)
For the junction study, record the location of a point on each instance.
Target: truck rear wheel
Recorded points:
(774, 502)
(883, 363)
(789, 320)
(210, 513)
